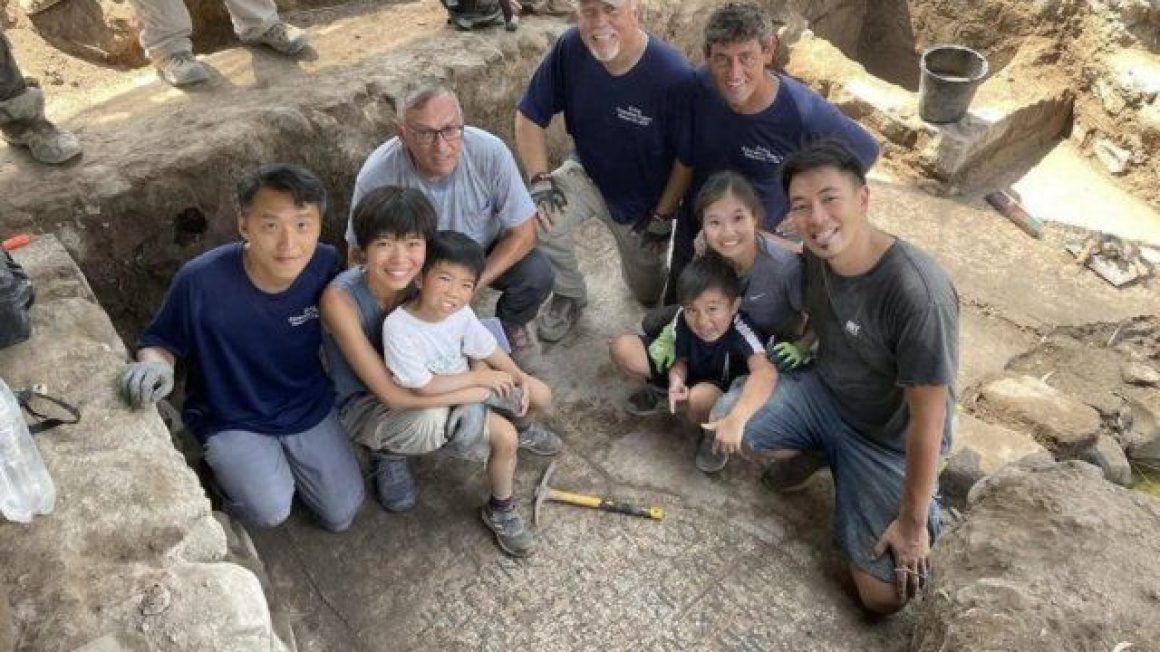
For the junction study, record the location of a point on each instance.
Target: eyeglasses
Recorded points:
(450, 134)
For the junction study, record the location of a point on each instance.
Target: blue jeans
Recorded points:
(868, 476)
(260, 473)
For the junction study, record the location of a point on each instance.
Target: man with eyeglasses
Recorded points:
(624, 95)
(471, 178)
(748, 118)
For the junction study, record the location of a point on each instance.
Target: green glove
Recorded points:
(789, 355)
(662, 351)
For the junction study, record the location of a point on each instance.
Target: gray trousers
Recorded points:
(11, 81)
(260, 473)
(644, 271)
(166, 26)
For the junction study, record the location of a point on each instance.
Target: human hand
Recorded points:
(145, 383)
(678, 392)
(910, 547)
(788, 355)
(727, 433)
(500, 382)
(549, 199)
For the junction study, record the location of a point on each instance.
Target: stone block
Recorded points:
(980, 449)
(1115, 159)
(1138, 373)
(1062, 423)
(1110, 458)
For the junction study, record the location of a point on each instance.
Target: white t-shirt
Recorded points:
(414, 349)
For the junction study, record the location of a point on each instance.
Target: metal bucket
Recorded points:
(950, 76)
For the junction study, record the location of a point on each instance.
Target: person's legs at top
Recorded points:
(569, 291)
(22, 121)
(500, 514)
(252, 471)
(326, 473)
(165, 36)
(684, 234)
(642, 263)
(256, 22)
(11, 79)
(523, 289)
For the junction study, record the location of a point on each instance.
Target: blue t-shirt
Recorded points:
(627, 129)
(252, 357)
(755, 145)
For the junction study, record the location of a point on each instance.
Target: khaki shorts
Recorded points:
(409, 432)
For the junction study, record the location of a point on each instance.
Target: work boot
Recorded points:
(792, 475)
(181, 69)
(22, 124)
(525, 350)
(645, 402)
(511, 534)
(538, 440)
(467, 21)
(394, 484)
(282, 38)
(708, 460)
(559, 318)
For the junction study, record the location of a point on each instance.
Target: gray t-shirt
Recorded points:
(483, 196)
(892, 327)
(773, 292)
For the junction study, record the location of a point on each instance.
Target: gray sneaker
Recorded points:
(538, 440)
(792, 475)
(510, 533)
(645, 402)
(45, 141)
(559, 318)
(282, 38)
(181, 69)
(709, 461)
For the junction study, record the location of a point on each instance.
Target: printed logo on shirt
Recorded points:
(634, 115)
(853, 328)
(760, 153)
(755, 297)
(311, 312)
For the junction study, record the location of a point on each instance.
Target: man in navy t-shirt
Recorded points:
(748, 119)
(244, 318)
(624, 95)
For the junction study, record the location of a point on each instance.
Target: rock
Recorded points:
(1049, 557)
(980, 449)
(1143, 428)
(1057, 420)
(1107, 454)
(1138, 373)
(1115, 159)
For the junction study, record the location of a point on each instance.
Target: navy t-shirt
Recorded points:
(755, 145)
(720, 362)
(253, 357)
(628, 130)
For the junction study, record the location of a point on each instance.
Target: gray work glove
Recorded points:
(549, 198)
(654, 232)
(145, 383)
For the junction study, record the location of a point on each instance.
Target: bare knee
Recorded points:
(701, 399)
(876, 595)
(501, 436)
(628, 354)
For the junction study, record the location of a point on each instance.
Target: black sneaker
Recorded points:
(394, 484)
(511, 534)
(645, 402)
(709, 461)
(792, 475)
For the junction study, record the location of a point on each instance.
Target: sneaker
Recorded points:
(45, 141)
(525, 351)
(394, 484)
(792, 475)
(465, 22)
(559, 318)
(181, 69)
(645, 402)
(282, 38)
(707, 460)
(510, 533)
(538, 440)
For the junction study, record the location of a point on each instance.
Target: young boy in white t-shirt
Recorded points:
(435, 344)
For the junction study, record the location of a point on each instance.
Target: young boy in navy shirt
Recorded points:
(711, 346)
(433, 345)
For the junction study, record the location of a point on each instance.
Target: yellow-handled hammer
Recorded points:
(544, 492)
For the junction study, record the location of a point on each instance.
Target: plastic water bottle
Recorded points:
(26, 488)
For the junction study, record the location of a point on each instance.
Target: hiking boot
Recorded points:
(525, 351)
(394, 484)
(707, 460)
(645, 402)
(22, 124)
(510, 533)
(282, 38)
(559, 318)
(467, 21)
(538, 440)
(181, 69)
(792, 475)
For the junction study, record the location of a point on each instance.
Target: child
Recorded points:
(426, 345)
(713, 345)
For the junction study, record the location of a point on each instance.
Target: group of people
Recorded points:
(734, 166)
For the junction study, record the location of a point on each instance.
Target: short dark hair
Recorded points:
(709, 272)
(737, 22)
(455, 248)
(392, 211)
(298, 182)
(824, 153)
(724, 184)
